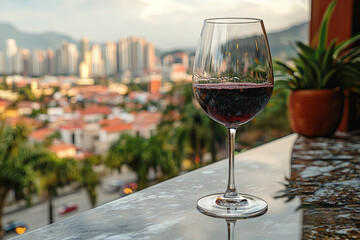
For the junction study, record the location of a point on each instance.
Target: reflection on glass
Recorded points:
(230, 222)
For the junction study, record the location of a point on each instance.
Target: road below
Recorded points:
(37, 216)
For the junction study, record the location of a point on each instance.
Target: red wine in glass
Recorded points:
(233, 104)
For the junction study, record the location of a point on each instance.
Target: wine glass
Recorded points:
(232, 81)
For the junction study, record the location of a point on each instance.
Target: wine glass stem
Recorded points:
(230, 226)
(231, 191)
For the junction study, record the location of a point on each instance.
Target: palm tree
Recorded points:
(88, 180)
(56, 172)
(17, 159)
(128, 151)
(156, 153)
(140, 154)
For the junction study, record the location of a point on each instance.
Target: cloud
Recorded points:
(167, 23)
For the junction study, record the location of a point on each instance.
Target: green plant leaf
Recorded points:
(285, 68)
(349, 56)
(311, 73)
(328, 57)
(281, 84)
(327, 77)
(307, 50)
(324, 27)
(345, 45)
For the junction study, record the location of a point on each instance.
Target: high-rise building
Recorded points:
(135, 55)
(63, 59)
(2, 63)
(98, 66)
(11, 51)
(84, 48)
(50, 64)
(149, 58)
(67, 59)
(123, 56)
(58, 66)
(26, 58)
(110, 59)
(73, 59)
(18, 63)
(38, 62)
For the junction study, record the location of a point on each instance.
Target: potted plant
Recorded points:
(317, 77)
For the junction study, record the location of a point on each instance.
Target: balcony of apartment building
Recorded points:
(311, 185)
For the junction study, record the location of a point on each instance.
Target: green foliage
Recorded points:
(321, 66)
(3, 85)
(17, 164)
(275, 114)
(88, 180)
(141, 154)
(25, 93)
(49, 139)
(35, 113)
(53, 173)
(194, 134)
(26, 168)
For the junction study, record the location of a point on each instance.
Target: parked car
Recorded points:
(113, 186)
(129, 188)
(69, 207)
(18, 227)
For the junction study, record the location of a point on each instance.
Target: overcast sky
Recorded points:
(167, 23)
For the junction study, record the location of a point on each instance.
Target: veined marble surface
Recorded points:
(168, 210)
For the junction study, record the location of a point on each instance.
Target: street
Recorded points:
(37, 215)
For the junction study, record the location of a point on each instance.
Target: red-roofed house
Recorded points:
(145, 123)
(30, 122)
(71, 132)
(95, 113)
(24, 107)
(64, 150)
(110, 132)
(41, 134)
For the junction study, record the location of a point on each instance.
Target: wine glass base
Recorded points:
(252, 207)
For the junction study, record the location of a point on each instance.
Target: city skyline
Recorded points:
(132, 56)
(166, 23)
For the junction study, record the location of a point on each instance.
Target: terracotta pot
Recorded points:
(315, 112)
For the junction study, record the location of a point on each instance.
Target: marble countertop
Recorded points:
(285, 173)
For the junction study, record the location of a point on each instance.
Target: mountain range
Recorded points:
(281, 42)
(32, 40)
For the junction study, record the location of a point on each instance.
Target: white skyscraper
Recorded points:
(136, 56)
(149, 57)
(38, 62)
(98, 66)
(73, 59)
(50, 64)
(2, 63)
(26, 58)
(110, 59)
(11, 51)
(84, 48)
(123, 56)
(66, 59)
(18, 63)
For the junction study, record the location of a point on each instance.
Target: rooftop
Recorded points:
(41, 134)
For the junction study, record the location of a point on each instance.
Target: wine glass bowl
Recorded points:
(232, 82)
